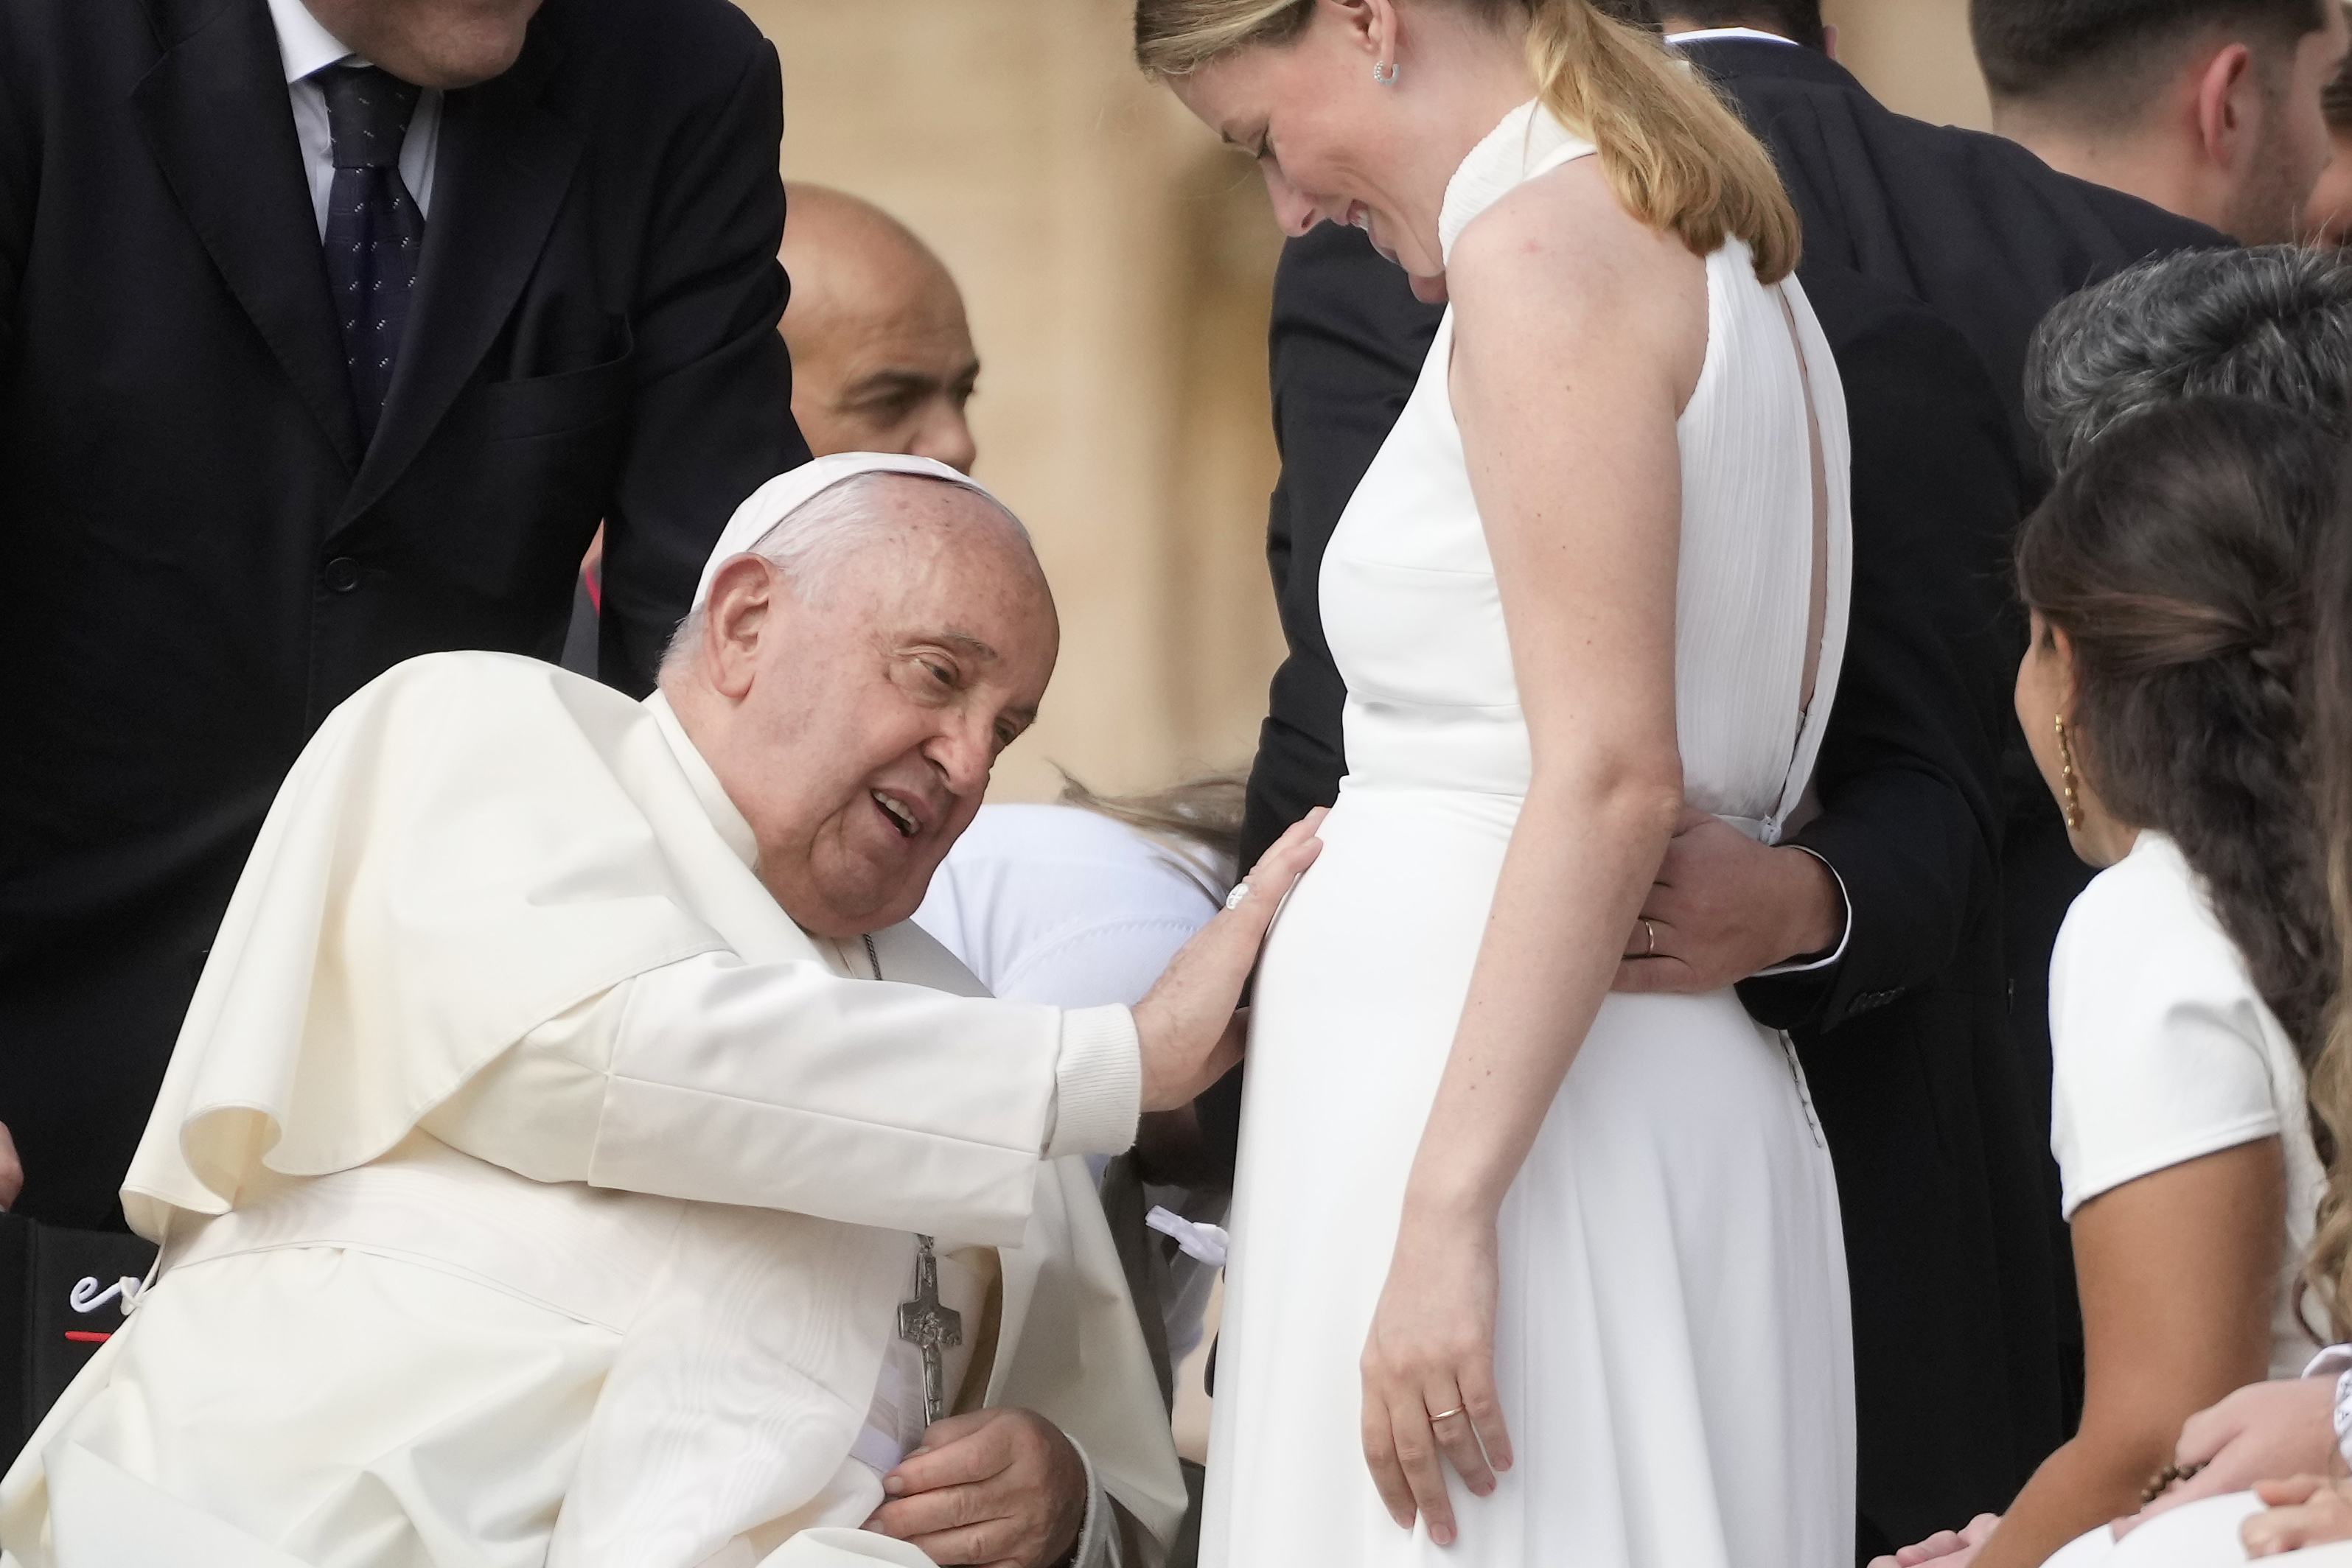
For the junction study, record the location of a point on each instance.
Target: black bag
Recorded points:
(62, 1292)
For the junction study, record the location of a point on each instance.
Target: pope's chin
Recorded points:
(875, 880)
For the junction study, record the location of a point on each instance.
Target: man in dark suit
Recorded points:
(1987, 237)
(1938, 1136)
(328, 332)
(2208, 108)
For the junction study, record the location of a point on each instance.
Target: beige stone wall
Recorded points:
(1914, 55)
(1117, 267)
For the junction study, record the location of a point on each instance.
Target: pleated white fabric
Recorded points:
(1673, 1329)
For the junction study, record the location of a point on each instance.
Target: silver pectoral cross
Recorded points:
(931, 1328)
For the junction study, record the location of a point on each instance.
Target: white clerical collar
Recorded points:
(303, 44)
(708, 790)
(1709, 35)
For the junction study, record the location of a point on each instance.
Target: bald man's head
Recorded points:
(882, 358)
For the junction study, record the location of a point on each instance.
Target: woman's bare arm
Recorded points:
(2178, 1273)
(1579, 335)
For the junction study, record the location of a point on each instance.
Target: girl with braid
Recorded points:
(2164, 693)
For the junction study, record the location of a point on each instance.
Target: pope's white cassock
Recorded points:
(533, 1190)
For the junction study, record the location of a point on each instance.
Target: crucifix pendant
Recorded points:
(931, 1328)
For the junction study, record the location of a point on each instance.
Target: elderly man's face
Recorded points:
(855, 730)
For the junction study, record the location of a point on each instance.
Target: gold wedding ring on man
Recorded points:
(1648, 940)
(1447, 1414)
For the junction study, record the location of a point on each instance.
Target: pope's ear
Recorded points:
(737, 614)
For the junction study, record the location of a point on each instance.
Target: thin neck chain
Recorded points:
(872, 957)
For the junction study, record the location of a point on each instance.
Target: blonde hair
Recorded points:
(1677, 156)
(1198, 823)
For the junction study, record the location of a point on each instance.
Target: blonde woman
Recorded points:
(1528, 1271)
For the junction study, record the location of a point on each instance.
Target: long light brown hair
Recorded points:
(1677, 156)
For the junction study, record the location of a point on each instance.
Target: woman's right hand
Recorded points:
(1190, 1032)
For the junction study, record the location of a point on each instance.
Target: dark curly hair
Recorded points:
(2174, 558)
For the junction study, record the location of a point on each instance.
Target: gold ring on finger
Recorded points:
(1650, 937)
(1447, 1414)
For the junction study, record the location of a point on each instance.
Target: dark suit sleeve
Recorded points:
(711, 418)
(1908, 778)
(19, 159)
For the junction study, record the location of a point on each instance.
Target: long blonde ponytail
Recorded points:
(1674, 152)
(1676, 155)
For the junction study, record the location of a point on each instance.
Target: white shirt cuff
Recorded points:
(1097, 1083)
(1845, 931)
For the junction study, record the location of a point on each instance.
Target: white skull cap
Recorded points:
(788, 492)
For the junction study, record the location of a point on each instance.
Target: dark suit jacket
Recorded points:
(1989, 238)
(204, 560)
(1973, 227)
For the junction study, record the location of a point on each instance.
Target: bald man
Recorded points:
(882, 358)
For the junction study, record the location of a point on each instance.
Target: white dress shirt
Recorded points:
(1709, 35)
(306, 47)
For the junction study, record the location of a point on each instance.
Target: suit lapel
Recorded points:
(214, 114)
(500, 176)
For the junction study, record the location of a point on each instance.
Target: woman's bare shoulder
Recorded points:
(1560, 258)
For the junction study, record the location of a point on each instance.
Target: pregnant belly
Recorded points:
(1367, 968)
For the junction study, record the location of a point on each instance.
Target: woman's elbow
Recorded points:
(1635, 790)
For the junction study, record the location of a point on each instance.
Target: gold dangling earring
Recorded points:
(2073, 802)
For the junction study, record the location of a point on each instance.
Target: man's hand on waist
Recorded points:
(1725, 907)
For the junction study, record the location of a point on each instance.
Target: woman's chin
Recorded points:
(1428, 290)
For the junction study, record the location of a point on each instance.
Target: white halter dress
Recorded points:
(1672, 1336)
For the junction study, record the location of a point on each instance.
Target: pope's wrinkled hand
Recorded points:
(1191, 1034)
(1003, 1488)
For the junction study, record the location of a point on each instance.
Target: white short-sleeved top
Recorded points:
(2162, 1050)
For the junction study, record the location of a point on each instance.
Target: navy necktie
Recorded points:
(374, 232)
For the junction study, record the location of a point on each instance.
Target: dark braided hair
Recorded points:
(2327, 1272)
(2174, 556)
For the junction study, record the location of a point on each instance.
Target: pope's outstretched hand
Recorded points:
(1191, 1035)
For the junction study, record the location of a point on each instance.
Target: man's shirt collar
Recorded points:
(304, 45)
(1703, 36)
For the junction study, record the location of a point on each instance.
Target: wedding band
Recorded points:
(1650, 937)
(1444, 1415)
(1240, 891)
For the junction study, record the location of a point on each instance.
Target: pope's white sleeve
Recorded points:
(1098, 1543)
(786, 1086)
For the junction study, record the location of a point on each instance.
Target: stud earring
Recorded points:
(1385, 73)
(2072, 801)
